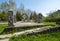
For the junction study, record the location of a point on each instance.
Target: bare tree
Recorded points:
(4, 6)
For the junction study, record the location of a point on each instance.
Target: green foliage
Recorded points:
(34, 16)
(43, 18)
(55, 36)
(18, 16)
(3, 16)
(53, 17)
(31, 16)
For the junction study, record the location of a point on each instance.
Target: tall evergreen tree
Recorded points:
(18, 16)
(3, 16)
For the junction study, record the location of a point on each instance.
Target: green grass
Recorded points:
(50, 23)
(55, 36)
(2, 27)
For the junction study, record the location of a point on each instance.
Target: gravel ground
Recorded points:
(19, 24)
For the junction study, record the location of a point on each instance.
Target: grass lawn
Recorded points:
(50, 23)
(2, 27)
(55, 36)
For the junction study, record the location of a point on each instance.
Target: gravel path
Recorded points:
(20, 24)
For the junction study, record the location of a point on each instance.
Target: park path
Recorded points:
(20, 24)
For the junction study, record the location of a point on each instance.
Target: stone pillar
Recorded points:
(10, 18)
(14, 18)
(39, 18)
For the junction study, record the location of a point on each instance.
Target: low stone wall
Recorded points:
(50, 30)
(42, 30)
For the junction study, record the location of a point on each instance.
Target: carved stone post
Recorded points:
(39, 18)
(10, 18)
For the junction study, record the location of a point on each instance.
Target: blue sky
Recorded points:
(43, 6)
